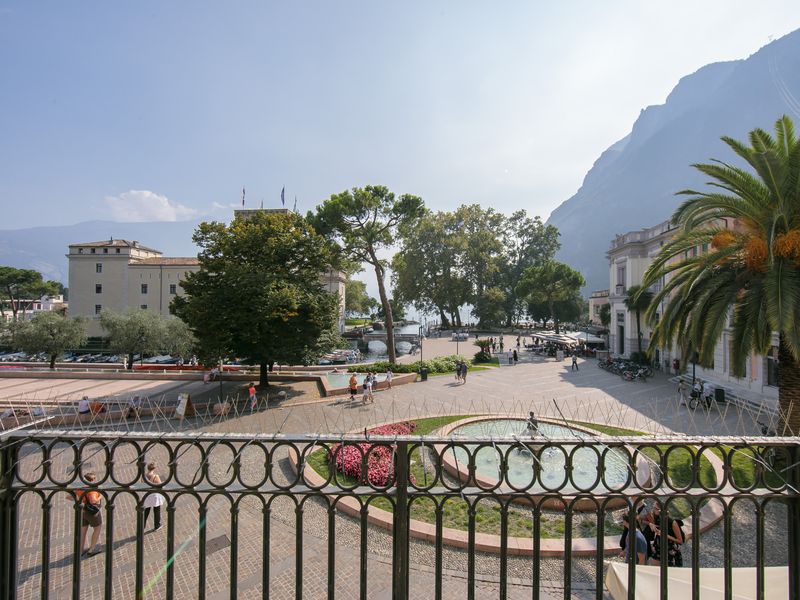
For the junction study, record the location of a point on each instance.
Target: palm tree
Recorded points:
(747, 228)
(638, 300)
(605, 319)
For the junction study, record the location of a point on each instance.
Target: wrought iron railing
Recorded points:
(236, 480)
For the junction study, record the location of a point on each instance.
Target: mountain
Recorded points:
(633, 183)
(45, 248)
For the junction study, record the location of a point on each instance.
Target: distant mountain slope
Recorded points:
(44, 248)
(633, 183)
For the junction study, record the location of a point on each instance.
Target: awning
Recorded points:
(712, 582)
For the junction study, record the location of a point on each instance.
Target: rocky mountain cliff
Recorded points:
(633, 183)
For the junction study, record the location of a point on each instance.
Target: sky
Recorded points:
(154, 110)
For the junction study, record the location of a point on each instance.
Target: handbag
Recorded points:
(91, 508)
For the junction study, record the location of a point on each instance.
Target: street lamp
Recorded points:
(420, 346)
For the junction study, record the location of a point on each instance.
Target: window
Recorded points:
(97, 309)
(621, 317)
(80, 250)
(143, 306)
(772, 367)
(621, 276)
(117, 250)
(98, 288)
(144, 288)
(173, 289)
(92, 250)
(105, 250)
(98, 267)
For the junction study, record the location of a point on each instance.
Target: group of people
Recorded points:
(700, 389)
(370, 382)
(92, 509)
(646, 539)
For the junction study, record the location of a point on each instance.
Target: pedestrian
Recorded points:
(134, 404)
(353, 383)
(575, 362)
(494, 345)
(510, 358)
(155, 500)
(676, 366)
(91, 515)
(639, 543)
(463, 372)
(83, 406)
(373, 380)
(516, 358)
(708, 393)
(251, 395)
(501, 345)
(389, 376)
(682, 391)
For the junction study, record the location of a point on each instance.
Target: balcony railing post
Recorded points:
(793, 515)
(8, 521)
(401, 525)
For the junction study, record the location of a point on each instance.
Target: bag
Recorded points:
(90, 508)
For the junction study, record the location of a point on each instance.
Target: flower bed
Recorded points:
(380, 460)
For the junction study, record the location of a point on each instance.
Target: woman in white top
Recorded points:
(389, 378)
(154, 500)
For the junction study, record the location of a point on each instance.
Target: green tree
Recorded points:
(750, 224)
(482, 260)
(605, 319)
(356, 299)
(527, 242)
(548, 284)
(133, 332)
(398, 310)
(178, 338)
(638, 301)
(490, 307)
(365, 221)
(257, 294)
(19, 288)
(51, 333)
(428, 270)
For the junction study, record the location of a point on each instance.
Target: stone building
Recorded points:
(118, 275)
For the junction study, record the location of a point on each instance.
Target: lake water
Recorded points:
(342, 380)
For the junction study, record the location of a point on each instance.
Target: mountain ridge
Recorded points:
(632, 184)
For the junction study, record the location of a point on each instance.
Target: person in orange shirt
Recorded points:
(251, 391)
(353, 386)
(91, 515)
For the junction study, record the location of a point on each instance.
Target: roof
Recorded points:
(166, 261)
(112, 243)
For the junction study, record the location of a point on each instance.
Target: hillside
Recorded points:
(632, 184)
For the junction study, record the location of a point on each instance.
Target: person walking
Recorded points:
(682, 392)
(155, 500)
(91, 515)
(373, 380)
(575, 362)
(516, 357)
(463, 372)
(251, 391)
(458, 371)
(353, 383)
(389, 376)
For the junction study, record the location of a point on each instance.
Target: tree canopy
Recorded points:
(737, 252)
(258, 293)
(357, 301)
(365, 221)
(51, 333)
(549, 284)
(19, 288)
(133, 332)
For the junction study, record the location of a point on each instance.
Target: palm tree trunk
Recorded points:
(639, 332)
(788, 390)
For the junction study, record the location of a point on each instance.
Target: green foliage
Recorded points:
(133, 332)
(638, 300)
(490, 307)
(19, 288)
(356, 299)
(747, 227)
(441, 364)
(178, 338)
(483, 357)
(258, 294)
(365, 221)
(398, 310)
(605, 315)
(51, 333)
(550, 283)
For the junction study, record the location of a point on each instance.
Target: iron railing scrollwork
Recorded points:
(582, 485)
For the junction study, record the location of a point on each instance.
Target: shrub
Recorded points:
(380, 466)
(640, 358)
(441, 364)
(482, 357)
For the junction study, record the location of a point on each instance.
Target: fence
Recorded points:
(235, 482)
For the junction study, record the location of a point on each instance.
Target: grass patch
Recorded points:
(746, 467)
(356, 322)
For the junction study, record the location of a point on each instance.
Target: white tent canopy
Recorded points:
(712, 582)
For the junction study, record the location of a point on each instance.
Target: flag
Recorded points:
(242, 196)
(295, 204)
(262, 205)
(283, 199)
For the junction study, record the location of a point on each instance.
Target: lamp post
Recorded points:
(420, 346)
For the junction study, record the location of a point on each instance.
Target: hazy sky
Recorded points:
(155, 110)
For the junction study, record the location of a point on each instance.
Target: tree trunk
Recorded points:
(263, 374)
(443, 319)
(387, 309)
(53, 361)
(639, 332)
(130, 361)
(788, 390)
(553, 314)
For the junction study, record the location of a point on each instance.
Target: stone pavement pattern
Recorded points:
(589, 394)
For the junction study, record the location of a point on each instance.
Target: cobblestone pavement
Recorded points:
(589, 394)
